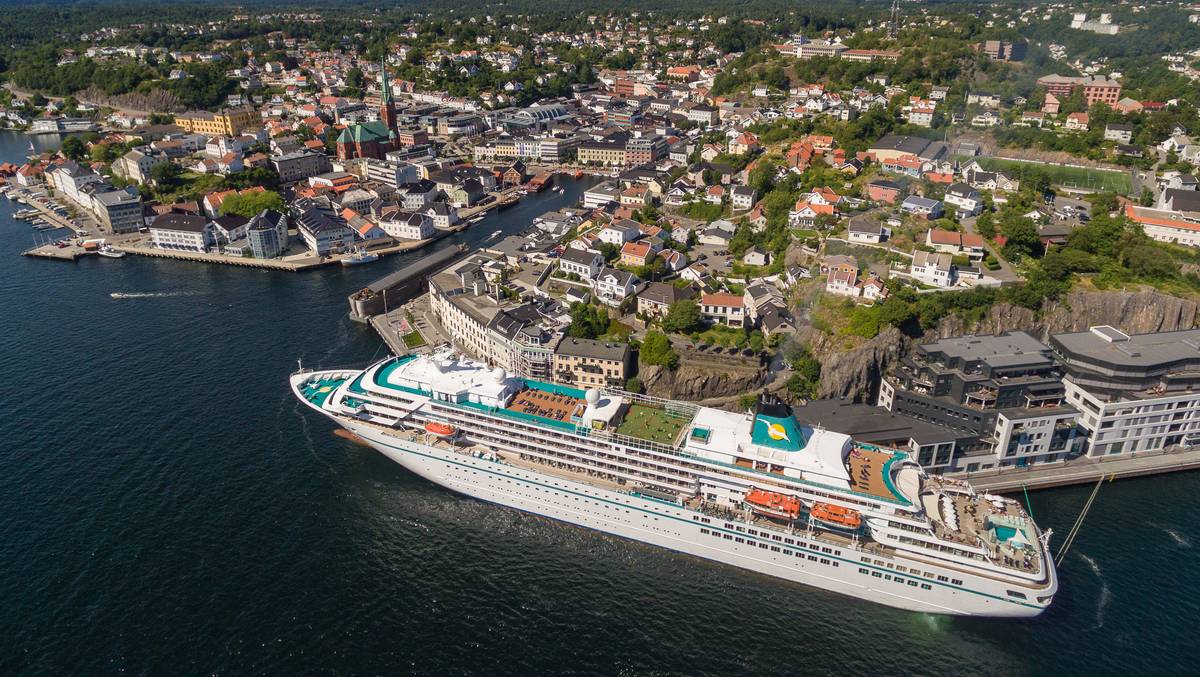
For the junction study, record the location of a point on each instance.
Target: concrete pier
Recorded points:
(52, 251)
(1082, 470)
(395, 288)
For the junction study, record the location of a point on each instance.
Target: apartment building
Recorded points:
(1135, 393)
(587, 363)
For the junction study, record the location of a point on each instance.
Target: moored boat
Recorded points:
(359, 257)
(699, 480)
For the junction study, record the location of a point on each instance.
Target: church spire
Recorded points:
(383, 79)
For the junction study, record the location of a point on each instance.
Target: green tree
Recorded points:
(683, 317)
(1022, 236)
(73, 148)
(656, 349)
(165, 175)
(986, 225)
(609, 251)
(249, 204)
(587, 321)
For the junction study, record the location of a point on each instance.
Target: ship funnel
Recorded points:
(775, 425)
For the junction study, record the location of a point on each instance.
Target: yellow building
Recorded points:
(601, 153)
(228, 122)
(587, 363)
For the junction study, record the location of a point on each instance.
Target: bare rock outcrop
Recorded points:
(854, 374)
(703, 376)
(1135, 312)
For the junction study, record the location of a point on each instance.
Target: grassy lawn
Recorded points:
(413, 339)
(720, 335)
(1075, 177)
(650, 423)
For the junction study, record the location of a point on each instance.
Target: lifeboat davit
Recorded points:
(772, 504)
(835, 516)
(440, 429)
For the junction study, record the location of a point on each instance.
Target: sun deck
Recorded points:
(995, 523)
(543, 404)
(869, 472)
(317, 391)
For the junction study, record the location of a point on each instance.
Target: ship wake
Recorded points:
(1105, 594)
(1175, 535)
(150, 294)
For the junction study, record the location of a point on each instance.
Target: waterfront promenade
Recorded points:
(1082, 470)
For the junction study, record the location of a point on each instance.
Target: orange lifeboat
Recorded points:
(836, 516)
(440, 429)
(771, 504)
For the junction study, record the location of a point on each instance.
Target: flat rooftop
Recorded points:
(1111, 346)
(1002, 350)
(873, 425)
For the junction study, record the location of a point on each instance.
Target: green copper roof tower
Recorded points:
(383, 80)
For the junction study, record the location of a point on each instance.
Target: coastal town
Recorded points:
(880, 219)
(644, 337)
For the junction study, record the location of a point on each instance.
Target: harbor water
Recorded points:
(167, 508)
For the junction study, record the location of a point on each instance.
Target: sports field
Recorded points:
(1070, 177)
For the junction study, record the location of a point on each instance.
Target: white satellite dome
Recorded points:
(592, 396)
(498, 374)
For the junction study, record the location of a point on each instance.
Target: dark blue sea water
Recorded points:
(166, 508)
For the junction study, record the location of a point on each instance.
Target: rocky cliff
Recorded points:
(700, 378)
(1133, 312)
(854, 374)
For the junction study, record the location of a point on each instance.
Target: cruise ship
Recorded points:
(756, 490)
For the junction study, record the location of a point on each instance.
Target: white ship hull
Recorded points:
(840, 570)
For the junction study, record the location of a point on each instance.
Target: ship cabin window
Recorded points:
(943, 579)
(876, 574)
(739, 539)
(955, 581)
(1014, 593)
(926, 586)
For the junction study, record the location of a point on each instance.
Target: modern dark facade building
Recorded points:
(1004, 392)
